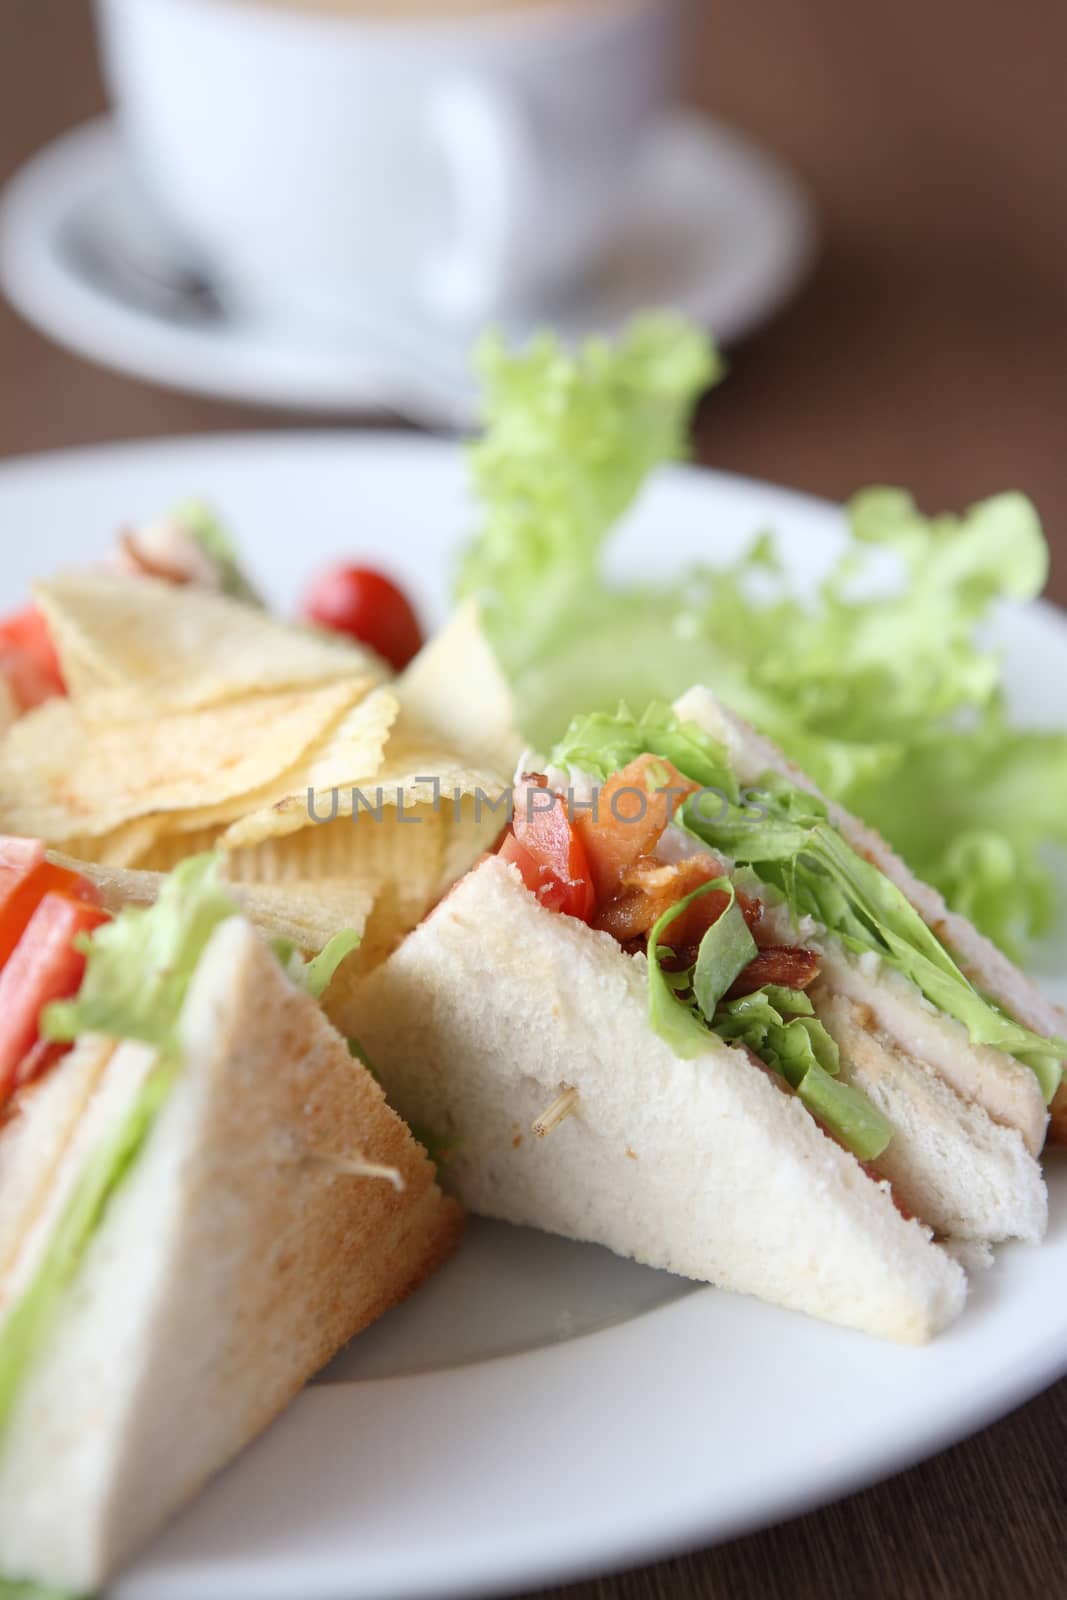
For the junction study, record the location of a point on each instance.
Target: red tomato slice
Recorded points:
(19, 860)
(25, 877)
(369, 606)
(45, 966)
(550, 855)
(28, 658)
(511, 850)
(632, 812)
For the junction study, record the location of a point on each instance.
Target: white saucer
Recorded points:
(717, 230)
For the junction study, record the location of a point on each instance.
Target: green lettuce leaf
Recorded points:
(879, 683)
(796, 848)
(672, 1007)
(139, 965)
(604, 742)
(569, 439)
(725, 951)
(778, 1025)
(316, 975)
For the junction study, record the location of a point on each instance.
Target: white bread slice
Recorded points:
(1006, 1091)
(231, 1263)
(948, 1162)
(703, 1167)
(1012, 1094)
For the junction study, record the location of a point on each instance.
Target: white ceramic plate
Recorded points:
(541, 1409)
(716, 229)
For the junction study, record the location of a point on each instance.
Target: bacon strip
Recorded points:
(787, 966)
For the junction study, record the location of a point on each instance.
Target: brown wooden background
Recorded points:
(930, 349)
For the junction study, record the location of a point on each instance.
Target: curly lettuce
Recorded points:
(880, 684)
(569, 441)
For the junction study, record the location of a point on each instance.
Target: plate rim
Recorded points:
(1047, 1354)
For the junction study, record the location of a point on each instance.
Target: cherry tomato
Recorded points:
(370, 607)
(44, 966)
(28, 658)
(550, 855)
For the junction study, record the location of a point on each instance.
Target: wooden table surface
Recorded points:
(929, 349)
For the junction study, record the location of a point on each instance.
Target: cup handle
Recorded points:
(486, 146)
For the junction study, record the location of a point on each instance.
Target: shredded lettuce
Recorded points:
(777, 1024)
(139, 966)
(794, 846)
(879, 685)
(315, 975)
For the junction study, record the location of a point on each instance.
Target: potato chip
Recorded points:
(62, 776)
(324, 782)
(359, 853)
(125, 846)
(409, 779)
(118, 886)
(407, 833)
(167, 850)
(455, 689)
(305, 915)
(408, 782)
(127, 644)
(360, 850)
(354, 744)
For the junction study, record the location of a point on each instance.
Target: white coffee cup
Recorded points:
(466, 165)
